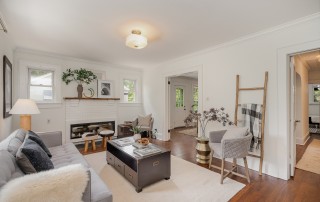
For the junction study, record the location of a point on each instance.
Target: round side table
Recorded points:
(203, 150)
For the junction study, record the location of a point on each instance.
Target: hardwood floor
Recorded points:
(305, 186)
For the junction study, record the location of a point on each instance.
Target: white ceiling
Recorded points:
(96, 29)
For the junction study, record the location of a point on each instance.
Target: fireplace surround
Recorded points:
(77, 130)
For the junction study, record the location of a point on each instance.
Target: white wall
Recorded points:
(188, 84)
(303, 112)
(52, 116)
(6, 48)
(250, 57)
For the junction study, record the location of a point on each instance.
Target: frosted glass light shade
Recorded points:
(136, 40)
(25, 106)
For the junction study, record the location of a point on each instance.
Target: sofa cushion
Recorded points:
(65, 155)
(33, 136)
(8, 168)
(144, 120)
(32, 158)
(99, 190)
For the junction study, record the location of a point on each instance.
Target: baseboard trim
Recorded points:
(303, 141)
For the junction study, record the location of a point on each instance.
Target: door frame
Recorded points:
(284, 144)
(167, 76)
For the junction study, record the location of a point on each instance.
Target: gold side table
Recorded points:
(203, 150)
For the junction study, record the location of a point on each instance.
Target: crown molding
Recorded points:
(64, 57)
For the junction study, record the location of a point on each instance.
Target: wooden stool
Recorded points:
(87, 137)
(106, 134)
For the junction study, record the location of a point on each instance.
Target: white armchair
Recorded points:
(145, 123)
(232, 143)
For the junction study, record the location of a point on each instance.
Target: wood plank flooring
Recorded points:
(305, 186)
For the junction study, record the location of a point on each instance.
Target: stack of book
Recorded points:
(148, 150)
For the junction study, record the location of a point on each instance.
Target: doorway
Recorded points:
(305, 102)
(183, 97)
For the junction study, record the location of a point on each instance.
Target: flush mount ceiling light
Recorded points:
(136, 40)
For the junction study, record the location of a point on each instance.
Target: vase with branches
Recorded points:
(81, 76)
(213, 114)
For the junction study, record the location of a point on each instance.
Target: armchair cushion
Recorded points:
(144, 120)
(236, 132)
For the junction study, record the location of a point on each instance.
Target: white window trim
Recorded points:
(138, 90)
(24, 67)
(53, 84)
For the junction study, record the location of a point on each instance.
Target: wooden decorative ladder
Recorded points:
(264, 89)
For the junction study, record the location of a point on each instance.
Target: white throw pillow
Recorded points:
(144, 120)
(63, 184)
(236, 132)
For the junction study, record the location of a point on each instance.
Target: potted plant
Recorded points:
(81, 76)
(213, 114)
(136, 132)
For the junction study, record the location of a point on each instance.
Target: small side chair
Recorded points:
(232, 143)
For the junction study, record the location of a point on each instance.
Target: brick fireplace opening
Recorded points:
(77, 130)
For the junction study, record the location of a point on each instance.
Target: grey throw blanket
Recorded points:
(252, 116)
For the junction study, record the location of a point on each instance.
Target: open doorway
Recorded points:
(183, 97)
(305, 111)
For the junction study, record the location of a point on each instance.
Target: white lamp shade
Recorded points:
(136, 41)
(25, 106)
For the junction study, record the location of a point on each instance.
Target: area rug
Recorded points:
(310, 160)
(188, 183)
(189, 131)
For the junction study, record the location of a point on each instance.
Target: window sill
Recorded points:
(130, 103)
(42, 105)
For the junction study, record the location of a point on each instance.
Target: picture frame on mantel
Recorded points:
(105, 89)
(7, 87)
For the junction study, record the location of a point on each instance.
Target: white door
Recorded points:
(293, 117)
(179, 106)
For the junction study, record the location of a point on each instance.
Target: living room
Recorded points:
(259, 37)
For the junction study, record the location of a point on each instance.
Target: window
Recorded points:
(179, 97)
(41, 85)
(316, 93)
(129, 90)
(195, 98)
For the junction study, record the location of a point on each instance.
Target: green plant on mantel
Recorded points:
(80, 76)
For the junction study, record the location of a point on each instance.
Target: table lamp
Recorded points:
(25, 108)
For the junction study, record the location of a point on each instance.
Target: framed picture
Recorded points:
(105, 89)
(7, 87)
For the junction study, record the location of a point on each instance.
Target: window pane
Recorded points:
(316, 94)
(179, 97)
(41, 77)
(39, 93)
(195, 98)
(129, 90)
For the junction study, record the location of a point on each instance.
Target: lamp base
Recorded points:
(25, 122)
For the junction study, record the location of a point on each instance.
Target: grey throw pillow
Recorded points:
(16, 141)
(33, 136)
(31, 158)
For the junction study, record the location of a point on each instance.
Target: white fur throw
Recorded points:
(63, 184)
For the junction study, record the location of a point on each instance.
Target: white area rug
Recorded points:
(310, 160)
(189, 131)
(188, 183)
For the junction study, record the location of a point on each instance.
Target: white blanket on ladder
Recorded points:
(250, 116)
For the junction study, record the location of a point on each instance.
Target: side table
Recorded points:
(124, 130)
(203, 150)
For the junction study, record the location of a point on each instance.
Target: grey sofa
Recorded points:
(62, 155)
